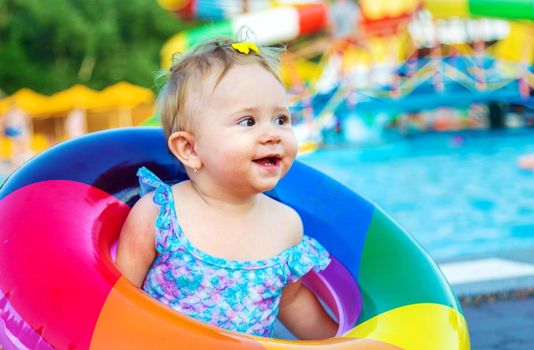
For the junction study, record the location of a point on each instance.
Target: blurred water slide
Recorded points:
(269, 24)
(518, 16)
(220, 9)
(506, 9)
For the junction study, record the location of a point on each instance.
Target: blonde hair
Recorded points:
(189, 70)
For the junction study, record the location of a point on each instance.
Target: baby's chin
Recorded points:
(265, 187)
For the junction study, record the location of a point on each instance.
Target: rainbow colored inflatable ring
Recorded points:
(61, 213)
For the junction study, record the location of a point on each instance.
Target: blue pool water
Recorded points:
(459, 194)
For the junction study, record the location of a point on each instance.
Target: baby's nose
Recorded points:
(276, 137)
(271, 136)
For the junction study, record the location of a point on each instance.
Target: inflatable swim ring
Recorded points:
(62, 211)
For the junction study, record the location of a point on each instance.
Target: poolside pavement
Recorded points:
(502, 324)
(497, 297)
(488, 276)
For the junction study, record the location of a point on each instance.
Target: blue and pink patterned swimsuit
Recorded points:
(235, 295)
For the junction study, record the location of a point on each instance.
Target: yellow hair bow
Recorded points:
(245, 47)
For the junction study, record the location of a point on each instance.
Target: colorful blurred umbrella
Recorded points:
(27, 100)
(77, 96)
(125, 95)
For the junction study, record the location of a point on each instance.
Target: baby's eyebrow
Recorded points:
(255, 110)
(250, 110)
(282, 109)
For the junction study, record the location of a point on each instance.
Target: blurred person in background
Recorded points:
(76, 123)
(16, 127)
(344, 18)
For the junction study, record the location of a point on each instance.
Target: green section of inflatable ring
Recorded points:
(395, 271)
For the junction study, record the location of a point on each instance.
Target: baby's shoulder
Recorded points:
(142, 215)
(145, 206)
(285, 217)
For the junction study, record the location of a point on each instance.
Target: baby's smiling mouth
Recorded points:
(269, 161)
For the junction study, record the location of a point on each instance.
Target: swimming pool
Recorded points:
(460, 194)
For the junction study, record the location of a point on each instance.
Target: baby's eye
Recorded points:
(248, 121)
(281, 120)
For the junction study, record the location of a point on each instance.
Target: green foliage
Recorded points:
(49, 45)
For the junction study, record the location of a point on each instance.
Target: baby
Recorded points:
(215, 247)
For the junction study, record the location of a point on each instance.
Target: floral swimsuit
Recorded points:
(235, 295)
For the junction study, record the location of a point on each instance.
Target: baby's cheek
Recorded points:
(232, 163)
(292, 147)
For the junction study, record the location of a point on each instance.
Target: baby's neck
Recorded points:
(225, 201)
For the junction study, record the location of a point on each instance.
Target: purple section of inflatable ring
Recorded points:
(339, 291)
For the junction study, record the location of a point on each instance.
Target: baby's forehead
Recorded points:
(237, 70)
(200, 84)
(199, 88)
(212, 87)
(206, 82)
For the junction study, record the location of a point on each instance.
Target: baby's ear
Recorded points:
(183, 145)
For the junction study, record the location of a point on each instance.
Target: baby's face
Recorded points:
(243, 130)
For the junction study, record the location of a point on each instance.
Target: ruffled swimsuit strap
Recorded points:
(306, 256)
(163, 198)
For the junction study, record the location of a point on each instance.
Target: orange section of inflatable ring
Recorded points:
(131, 320)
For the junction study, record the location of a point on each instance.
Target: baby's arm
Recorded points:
(136, 248)
(300, 311)
(303, 315)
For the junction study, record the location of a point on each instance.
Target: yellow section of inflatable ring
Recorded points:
(417, 327)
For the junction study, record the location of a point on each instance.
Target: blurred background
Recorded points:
(425, 107)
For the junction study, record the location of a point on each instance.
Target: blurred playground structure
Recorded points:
(352, 68)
